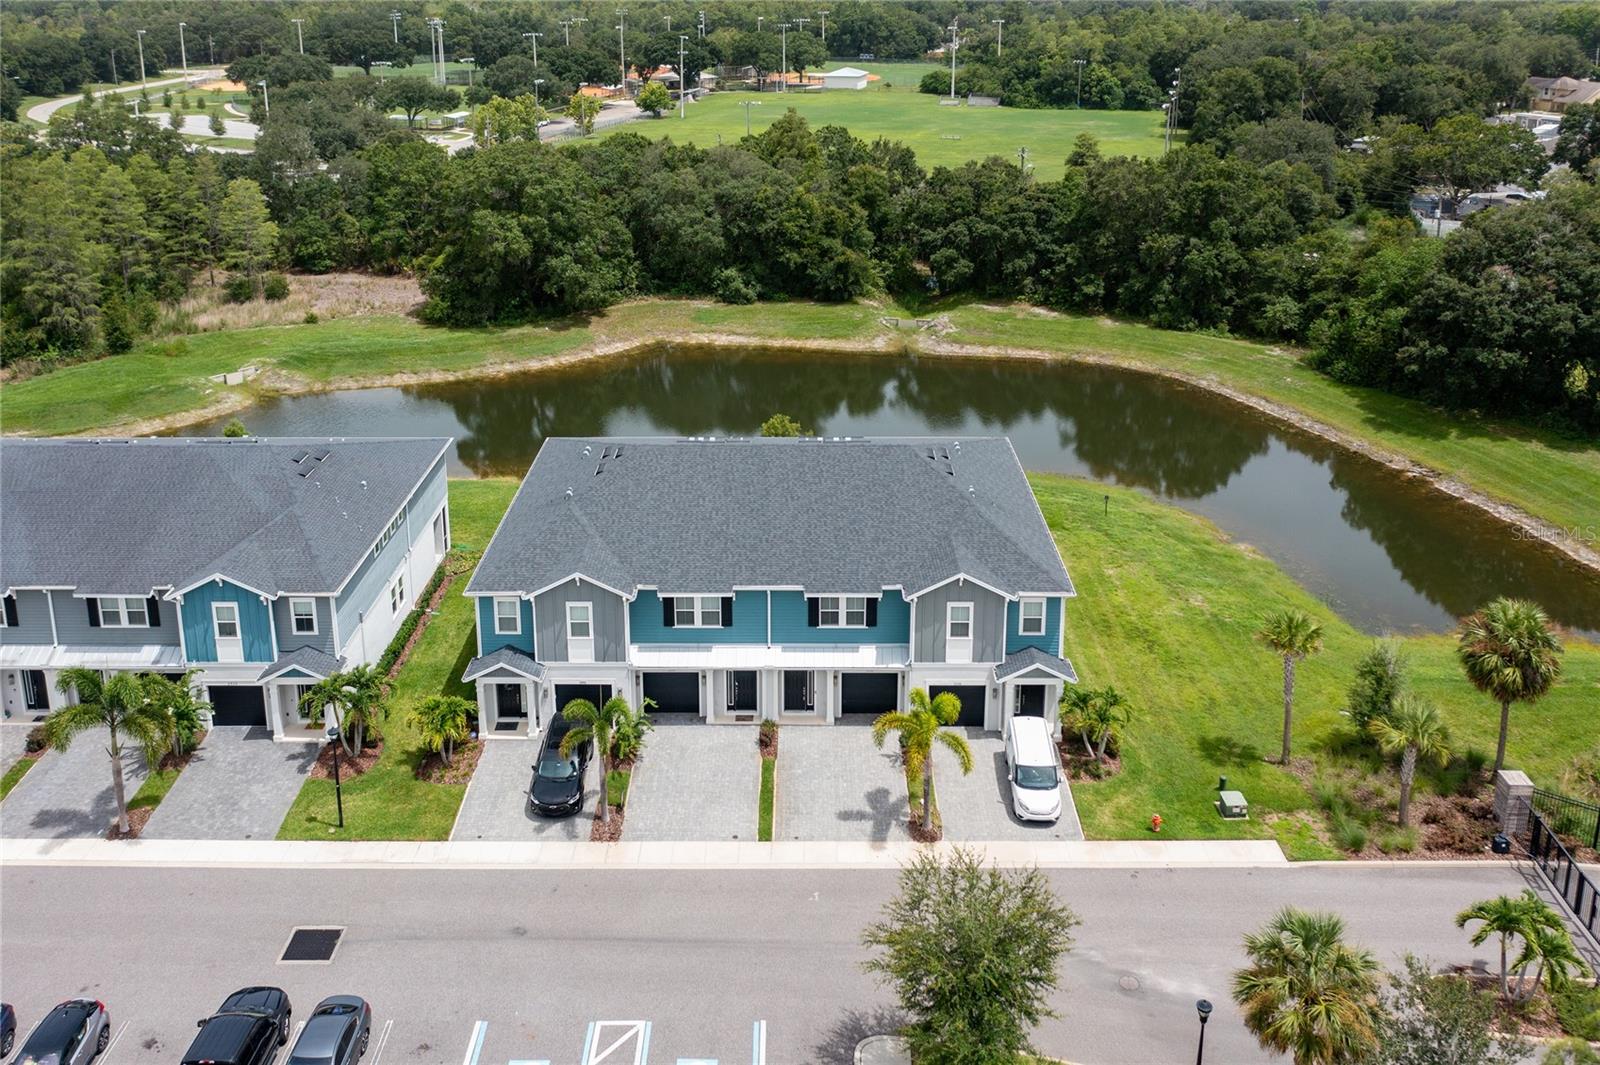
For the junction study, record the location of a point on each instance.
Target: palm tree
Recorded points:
(1506, 916)
(1306, 992)
(597, 724)
(1548, 947)
(442, 721)
(1094, 713)
(118, 705)
(177, 699)
(920, 728)
(1413, 731)
(1292, 635)
(356, 696)
(1510, 652)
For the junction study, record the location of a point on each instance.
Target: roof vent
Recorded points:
(569, 491)
(586, 449)
(972, 493)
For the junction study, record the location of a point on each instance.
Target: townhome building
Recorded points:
(264, 565)
(801, 580)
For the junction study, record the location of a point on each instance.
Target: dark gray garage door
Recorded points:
(235, 705)
(594, 693)
(869, 693)
(972, 700)
(674, 693)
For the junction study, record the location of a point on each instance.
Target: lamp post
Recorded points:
(668, 20)
(1203, 1007)
(952, 60)
(140, 34)
(338, 784)
(824, 15)
(394, 17)
(114, 79)
(536, 83)
(748, 104)
(1172, 107)
(469, 61)
(622, 50)
(1079, 63)
(211, 50)
(783, 74)
(533, 38)
(266, 98)
(381, 64)
(999, 37)
(183, 49)
(300, 33)
(683, 78)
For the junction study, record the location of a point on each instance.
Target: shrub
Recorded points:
(402, 636)
(1379, 680)
(310, 318)
(175, 349)
(37, 740)
(1348, 832)
(235, 429)
(239, 289)
(769, 729)
(730, 286)
(1578, 1009)
(1398, 841)
(275, 287)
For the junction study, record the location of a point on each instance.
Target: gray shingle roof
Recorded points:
(829, 515)
(506, 658)
(1030, 658)
(308, 660)
(129, 516)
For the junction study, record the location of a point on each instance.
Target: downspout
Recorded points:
(50, 599)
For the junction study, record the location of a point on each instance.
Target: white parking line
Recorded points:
(105, 1055)
(758, 1040)
(383, 1041)
(636, 1031)
(288, 1048)
(475, 1043)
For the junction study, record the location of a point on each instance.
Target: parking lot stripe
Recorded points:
(475, 1043)
(643, 1057)
(115, 1039)
(758, 1047)
(383, 1041)
(588, 1041)
(288, 1048)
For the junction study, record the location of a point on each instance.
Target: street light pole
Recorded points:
(534, 39)
(211, 51)
(536, 83)
(266, 97)
(140, 34)
(999, 37)
(952, 60)
(668, 20)
(783, 75)
(114, 79)
(622, 50)
(748, 104)
(1079, 64)
(300, 33)
(1172, 107)
(824, 15)
(702, 25)
(183, 49)
(394, 17)
(683, 78)
(1203, 1007)
(566, 31)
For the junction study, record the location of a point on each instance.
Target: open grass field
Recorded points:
(940, 135)
(1166, 612)
(388, 801)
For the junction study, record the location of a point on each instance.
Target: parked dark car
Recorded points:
(247, 1029)
(337, 1033)
(556, 789)
(74, 1033)
(8, 1028)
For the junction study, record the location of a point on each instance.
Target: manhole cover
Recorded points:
(312, 945)
(1129, 983)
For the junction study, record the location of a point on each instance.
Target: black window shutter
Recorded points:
(727, 611)
(11, 610)
(669, 616)
(152, 607)
(872, 613)
(813, 612)
(94, 613)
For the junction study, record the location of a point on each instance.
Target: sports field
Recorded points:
(940, 135)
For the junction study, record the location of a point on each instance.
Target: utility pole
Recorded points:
(211, 51)
(622, 51)
(140, 34)
(266, 97)
(1172, 107)
(394, 17)
(1079, 64)
(575, 20)
(824, 15)
(952, 60)
(747, 105)
(783, 75)
(668, 20)
(702, 22)
(300, 33)
(183, 49)
(114, 79)
(566, 31)
(469, 61)
(999, 37)
(536, 83)
(534, 38)
(683, 77)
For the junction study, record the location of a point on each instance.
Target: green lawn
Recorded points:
(769, 791)
(1166, 612)
(154, 789)
(389, 802)
(13, 776)
(941, 135)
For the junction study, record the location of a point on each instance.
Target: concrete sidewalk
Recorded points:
(1052, 854)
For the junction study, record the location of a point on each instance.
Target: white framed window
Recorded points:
(303, 616)
(397, 594)
(580, 632)
(697, 612)
(225, 626)
(958, 632)
(842, 612)
(507, 617)
(124, 612)
(1031, 620)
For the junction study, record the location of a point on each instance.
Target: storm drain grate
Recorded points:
(311, 945)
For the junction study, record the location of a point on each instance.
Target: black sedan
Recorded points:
(269, 1002)
(556, 789)
(337, 1033)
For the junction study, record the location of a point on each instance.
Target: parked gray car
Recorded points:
(74, 1033)
(336, 1034)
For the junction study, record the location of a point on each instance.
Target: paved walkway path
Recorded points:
(496, 804)
(833, 784)
(13, 742)
(69, 793)
(978, 806)
(695, 781)
(239, 785)
(41, 113)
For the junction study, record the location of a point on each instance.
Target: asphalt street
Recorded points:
(660, 967)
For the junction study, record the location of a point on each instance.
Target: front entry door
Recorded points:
(35, 693)
(742, 691)
(509, 711)
(1030, 700)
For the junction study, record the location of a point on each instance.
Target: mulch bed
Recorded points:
(170, 761)
(921, 835)
(322, 768)
(433, 770)
(136, 822)
(1535, 1018)
(607, 831)
(1080, 766)
(767, 741)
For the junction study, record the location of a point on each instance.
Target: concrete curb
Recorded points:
(1054, 854)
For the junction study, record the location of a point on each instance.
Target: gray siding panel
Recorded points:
(73, 630)
(289, 640)
(372, 576)
(33, 621)
(988, 622)
(550, 622)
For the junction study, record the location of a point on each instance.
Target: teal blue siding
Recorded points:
(789, 614)
(749, 622)
(1049, 642)
(493, 641)
(255, 622)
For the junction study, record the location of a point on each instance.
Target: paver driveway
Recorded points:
(496, 803)
(977, 807)
(69, 794)
(239, 784)
(695, 782)
(833, 784)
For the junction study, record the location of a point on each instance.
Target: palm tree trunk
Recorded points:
(1505, 986)
(1100, 750)
(927, 791)
(1505, 726)
(118, 788)
(1288, 704)
(1088, 748)
(445, 750)
(605, 788)
(1408, 773)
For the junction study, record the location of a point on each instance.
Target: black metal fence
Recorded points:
(1564, 875)
(1572, 819)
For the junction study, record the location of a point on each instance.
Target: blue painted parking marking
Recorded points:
(758, 1044)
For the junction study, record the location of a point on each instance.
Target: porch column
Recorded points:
(485, 710)
(276, 703)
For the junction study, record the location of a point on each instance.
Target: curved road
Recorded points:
(41, 113)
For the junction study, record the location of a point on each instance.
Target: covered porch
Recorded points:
(507, 682)
(744, 683)
(285, 682)
(1031, 682)
(28, 672)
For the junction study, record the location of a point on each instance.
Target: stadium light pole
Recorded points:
(183, 49)
(668, 20)
(211, 50)
(683, 78)
(394, 17)
(702, 22)
(142, 80)
(747, 105)
(952, 60)
(300, 33)
(114, 79)
(622, 51)
(824, 15)
(1079, 64)
(566, 31)
(783, 75)
(536, 83)
(999, 37)
(534, 39)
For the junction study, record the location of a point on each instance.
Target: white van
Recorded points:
(1034, 769)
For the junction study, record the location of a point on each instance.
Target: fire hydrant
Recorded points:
(1155, 822)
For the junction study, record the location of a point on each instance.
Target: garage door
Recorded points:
(594, 693)
(869, 693)
(674, 693)
(972, 702)
(236, 705)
